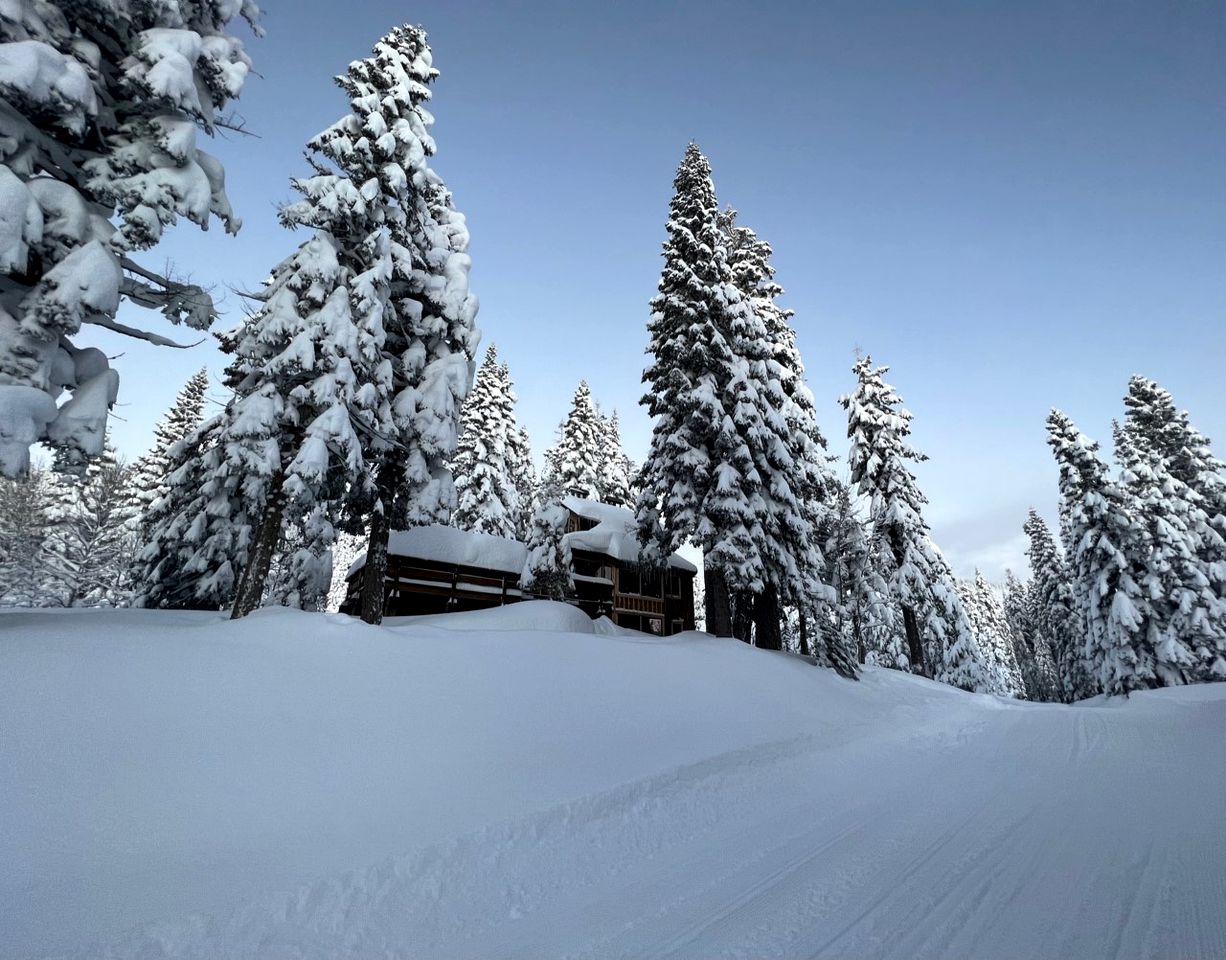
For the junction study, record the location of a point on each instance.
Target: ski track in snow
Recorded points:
(951, 826)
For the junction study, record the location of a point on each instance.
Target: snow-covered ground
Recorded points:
(526, 784)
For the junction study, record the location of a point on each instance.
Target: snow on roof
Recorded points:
(443, 544)
(614, 533)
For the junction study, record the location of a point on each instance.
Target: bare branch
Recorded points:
(122, 328)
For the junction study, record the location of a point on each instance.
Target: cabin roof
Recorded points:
(442, 544)
(614, 535)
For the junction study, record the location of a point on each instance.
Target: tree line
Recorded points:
(355, 406)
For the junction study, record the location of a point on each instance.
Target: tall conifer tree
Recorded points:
(700, 482)
(788, 447)
(1111, 604)
(939, 638)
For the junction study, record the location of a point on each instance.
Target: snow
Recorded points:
(24, 414)
(614, 533)
(43, 75)
(525, 783)
(443, 544)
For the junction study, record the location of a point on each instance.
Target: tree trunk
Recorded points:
(253, 579)
(804, 633)
(857, 626)
(915, 646)
(715, 602)
(767, 634)
(742, 617)
(374, 574)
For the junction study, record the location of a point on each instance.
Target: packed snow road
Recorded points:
(522, 786)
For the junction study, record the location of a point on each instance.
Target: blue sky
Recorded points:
(1014, 205)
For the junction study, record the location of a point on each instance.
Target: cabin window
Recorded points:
(639, 582)
(674, 583)
(589, 567)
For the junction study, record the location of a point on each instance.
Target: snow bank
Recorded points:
(614, 534)
(303, 785)
(537, 615)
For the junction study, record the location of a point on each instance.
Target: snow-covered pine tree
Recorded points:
(992, 633)
(1185, 622)
(861, 619)
(1058, 628)
(432, 339)
(149, 473)
(1165, 438)
(614, 464)
(197, 531)
(313, 369)
(1111, 605)
(93, 537)
(523, 473)
(102, 104)
(547, 572)
(487, 494)
(939, 638)
(1032, 651)
(25, 537)
(576, 460)
(789, 449)
(699, 482)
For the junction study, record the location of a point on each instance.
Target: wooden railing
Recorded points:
(633, 604)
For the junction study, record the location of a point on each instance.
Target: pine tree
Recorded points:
(1110, 603)
(699, 482)
(523, 473)
(93, 538)
(1058, 628)
(1195, 489)
(103, 104)
(150, 471)
(25, 537)
(548, 567)
(615, 467)
(788, 448)
(861, 618)
(1031, 649)
(939, 638)
(197, 532)
(487, 494)
(432, 339)
(1181, 613)
(577, 459)
(313, 385)
(993, 635)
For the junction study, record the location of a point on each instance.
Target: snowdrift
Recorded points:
(525, 782)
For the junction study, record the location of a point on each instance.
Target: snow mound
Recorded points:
(539, 615)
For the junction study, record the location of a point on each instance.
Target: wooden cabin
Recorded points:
(610, 581)
(439, 569)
